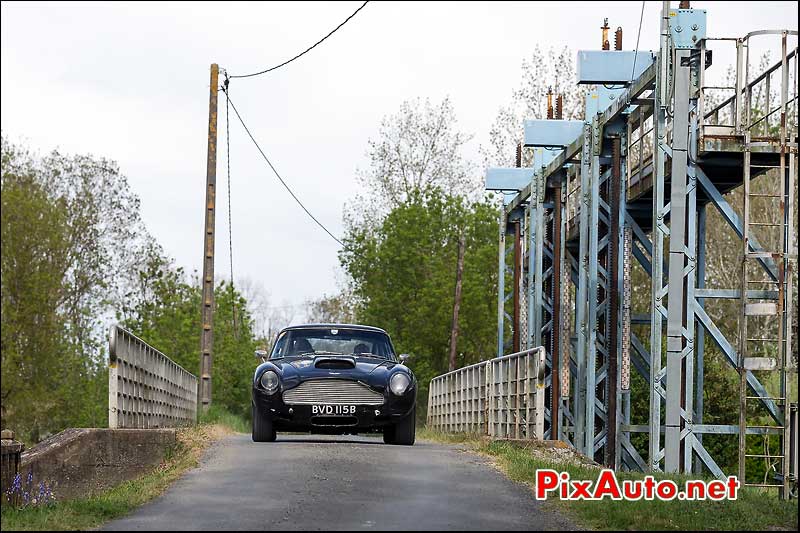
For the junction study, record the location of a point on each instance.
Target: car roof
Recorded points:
(335, 326)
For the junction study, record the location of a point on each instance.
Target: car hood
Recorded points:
(374, 372)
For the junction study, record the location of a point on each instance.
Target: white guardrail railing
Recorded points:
(146, 389)
(501, 397)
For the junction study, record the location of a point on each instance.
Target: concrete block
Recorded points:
(79, 462)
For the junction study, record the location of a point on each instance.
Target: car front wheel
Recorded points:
(404, 432)
(262, 427)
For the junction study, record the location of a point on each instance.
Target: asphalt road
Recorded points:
(341, 483)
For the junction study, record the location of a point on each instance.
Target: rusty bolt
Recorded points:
(618, 38)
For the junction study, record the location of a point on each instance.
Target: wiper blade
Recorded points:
(366, 354)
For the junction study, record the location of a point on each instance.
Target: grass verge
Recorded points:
(753, 510)
(220, 416)
(93, 511)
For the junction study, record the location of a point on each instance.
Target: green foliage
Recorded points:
(216, 414)
(74, 254)
(93, 511)
(404, 272)
(754, 510)
(166, 314)
(68, 224)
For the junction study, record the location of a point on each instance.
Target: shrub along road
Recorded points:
(328, 482)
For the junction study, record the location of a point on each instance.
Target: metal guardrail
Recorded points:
(502, 397)
(146, 389)
(734, 115)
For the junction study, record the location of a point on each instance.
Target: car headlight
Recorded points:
(399, 383)
(270, 381)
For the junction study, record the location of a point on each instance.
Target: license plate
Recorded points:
(333, 410)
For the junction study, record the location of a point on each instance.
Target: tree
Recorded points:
(543, 70)
(335, 309)
(166, 315)
(70, 226)
(404, 273)
(267, 319)
(417, 148)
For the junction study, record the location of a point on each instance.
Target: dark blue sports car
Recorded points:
(334, 378)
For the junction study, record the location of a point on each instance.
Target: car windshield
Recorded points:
(333, 341)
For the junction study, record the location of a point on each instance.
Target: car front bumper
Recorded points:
(321, 418)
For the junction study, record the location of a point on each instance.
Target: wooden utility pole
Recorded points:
(457, 301)
(207, 321)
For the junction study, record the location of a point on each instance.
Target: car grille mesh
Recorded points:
(332, 392)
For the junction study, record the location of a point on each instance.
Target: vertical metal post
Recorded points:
(739, 102)
(531, 324)
(699, 331)
(535, 264)
(613, 303)
(659, 231)
(207, 319)
(517, 276)
(582, 297)
(623, 262)
(593, 285)
(785, 308)
(113, 380)
(690, 283)
(677, 303)
(501, 284)
(555, 368)
(743, 312)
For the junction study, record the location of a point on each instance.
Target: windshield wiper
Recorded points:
(367, 354)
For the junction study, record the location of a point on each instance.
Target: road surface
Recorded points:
(313, 483)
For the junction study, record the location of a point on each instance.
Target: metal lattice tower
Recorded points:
(625, 191)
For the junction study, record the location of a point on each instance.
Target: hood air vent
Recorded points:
(335, 363)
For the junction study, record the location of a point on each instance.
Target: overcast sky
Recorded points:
(129, 81)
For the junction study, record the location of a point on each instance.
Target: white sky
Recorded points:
(129, 81)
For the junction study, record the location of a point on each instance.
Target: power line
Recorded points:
(306, 50)
(638, 34)
(230, 215)
(296, 199)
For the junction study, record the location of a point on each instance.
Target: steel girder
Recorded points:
(671, 358)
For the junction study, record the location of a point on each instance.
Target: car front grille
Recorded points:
(332, 392)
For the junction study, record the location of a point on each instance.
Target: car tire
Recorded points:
(404, 432)
(389, 434)
(262, 427)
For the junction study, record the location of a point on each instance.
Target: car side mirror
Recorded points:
(404, 357)
(261, 354)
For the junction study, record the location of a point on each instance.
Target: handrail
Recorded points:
(146, 389)
(750, 85)
(480, 363)
(477, 397)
